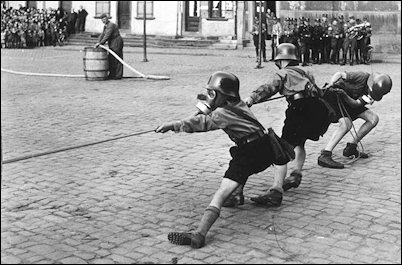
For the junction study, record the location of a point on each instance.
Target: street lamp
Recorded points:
(145, 32)
(258, 66)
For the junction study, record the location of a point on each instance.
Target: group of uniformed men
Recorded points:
(323, 41)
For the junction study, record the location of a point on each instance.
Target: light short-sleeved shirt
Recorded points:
(355, 84)
(277, 29)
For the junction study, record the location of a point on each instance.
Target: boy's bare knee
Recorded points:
(374, 120)
(345, 125)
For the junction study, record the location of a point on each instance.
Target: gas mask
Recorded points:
(220, 86)
(379, 85)
(207, 103)
(368, 99)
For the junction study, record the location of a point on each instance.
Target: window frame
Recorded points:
(140, 10)
(220, 10)
(211, 9)
(97, 13)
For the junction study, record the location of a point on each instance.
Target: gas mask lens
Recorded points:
(211, 93)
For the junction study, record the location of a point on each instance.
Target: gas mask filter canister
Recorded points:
(206, 106)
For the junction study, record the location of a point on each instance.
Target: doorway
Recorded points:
(191, 16)
(270, 5)
(124, 15)
(31, 4)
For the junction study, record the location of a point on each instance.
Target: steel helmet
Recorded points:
(286, 51)
(224, 82)
(379, 85)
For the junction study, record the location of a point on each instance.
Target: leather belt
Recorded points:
(298, 96)
(250, 138)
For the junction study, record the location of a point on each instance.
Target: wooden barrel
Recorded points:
(96, 64)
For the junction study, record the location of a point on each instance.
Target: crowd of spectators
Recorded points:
(28, 27)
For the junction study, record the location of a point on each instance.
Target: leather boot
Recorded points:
(196, 240)
(272, 199)
(325, 160)
(293, 181)
(351, 151)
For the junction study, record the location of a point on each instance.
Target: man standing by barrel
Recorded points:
(111, 35)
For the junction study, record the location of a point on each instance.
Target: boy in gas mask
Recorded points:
(307, 116)
(255, 149)
(348, 94)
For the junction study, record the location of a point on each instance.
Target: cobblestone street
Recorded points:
(115, 202)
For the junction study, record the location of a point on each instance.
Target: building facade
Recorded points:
(221, 19)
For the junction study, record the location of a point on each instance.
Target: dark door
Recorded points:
(124, 15)
(66, 6)
(270, 5)
(191, 16)
(31, 4)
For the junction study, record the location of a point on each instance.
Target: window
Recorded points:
(102, 7)
(220, 9)
(149, 9)
(215, 9)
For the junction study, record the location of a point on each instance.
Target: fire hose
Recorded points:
(39, 74)
(155, 77)
(199, 96)
(73, 147)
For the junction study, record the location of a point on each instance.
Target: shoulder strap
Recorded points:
(247, 117)
(300, 71)
(303, 73)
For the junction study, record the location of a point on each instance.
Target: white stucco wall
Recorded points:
(50, 4)
(92, 24)
(218, 28)
(16, 4)
(39, 4)
(164, 22)
(165, 14)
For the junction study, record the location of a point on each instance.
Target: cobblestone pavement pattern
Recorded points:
(115, 202)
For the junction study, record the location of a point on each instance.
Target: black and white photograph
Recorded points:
(201, 132)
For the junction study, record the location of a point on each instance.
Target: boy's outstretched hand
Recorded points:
(249, 102)
(164, 128)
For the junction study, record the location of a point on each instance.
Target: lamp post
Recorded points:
(258, 66)
(145, 32)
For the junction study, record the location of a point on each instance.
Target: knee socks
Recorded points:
(211, 214)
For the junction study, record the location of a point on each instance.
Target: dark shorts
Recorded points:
(306, 118)
(249, 159)
(347, 111)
